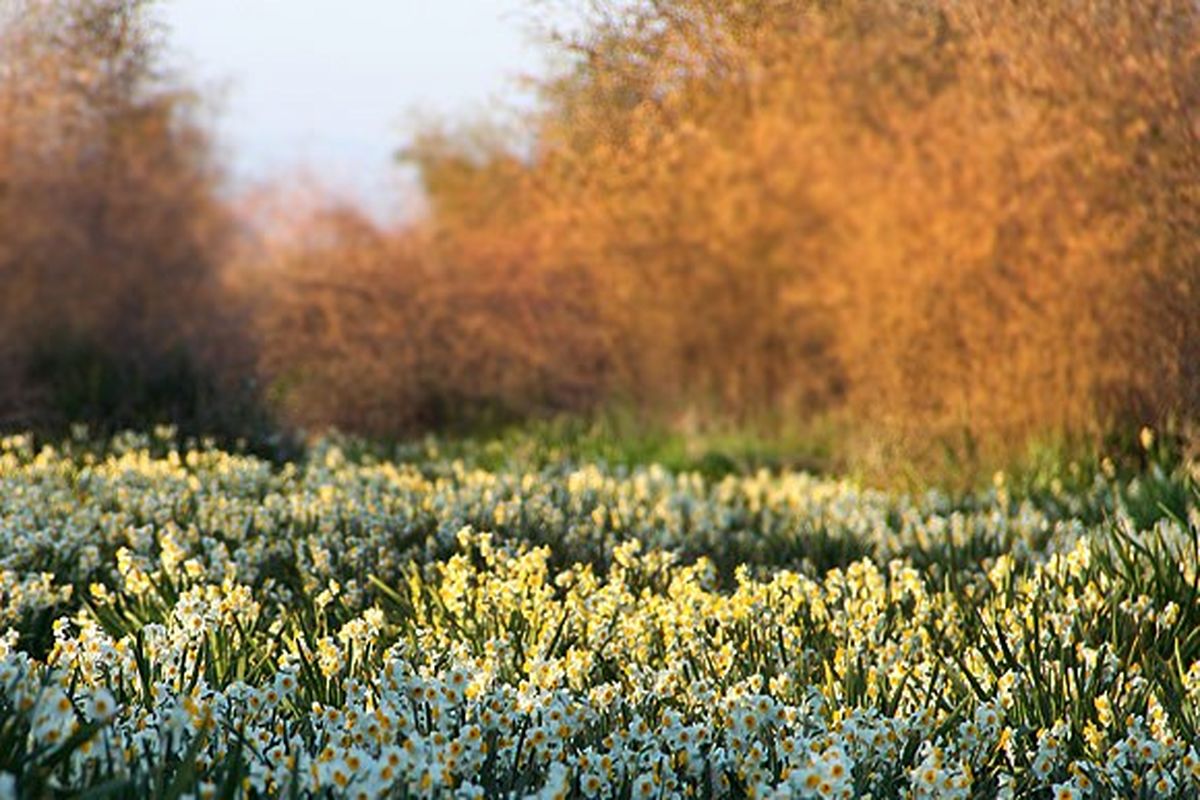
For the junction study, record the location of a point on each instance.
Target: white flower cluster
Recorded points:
(204, 624)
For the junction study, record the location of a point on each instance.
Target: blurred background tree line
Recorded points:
(935, 228)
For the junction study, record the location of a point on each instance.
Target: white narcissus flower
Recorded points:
(102, 706)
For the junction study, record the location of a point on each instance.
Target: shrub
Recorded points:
(111, 231)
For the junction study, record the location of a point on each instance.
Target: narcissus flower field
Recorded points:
(181, 621)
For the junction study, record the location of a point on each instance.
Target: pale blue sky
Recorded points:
(334, 84)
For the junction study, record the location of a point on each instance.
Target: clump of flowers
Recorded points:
(219, 627)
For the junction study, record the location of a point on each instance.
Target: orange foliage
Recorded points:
(384, 331)
(943, 218)
(110, 230)
(945, 221)
(965, 215)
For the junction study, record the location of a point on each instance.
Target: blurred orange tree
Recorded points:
(947, 221)
(949, 225)
(949, 217)
(111, 230)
